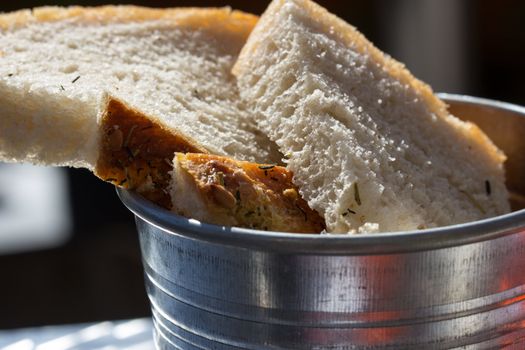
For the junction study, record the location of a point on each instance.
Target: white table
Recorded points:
(109, 335)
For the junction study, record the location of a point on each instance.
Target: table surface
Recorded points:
(133, 334)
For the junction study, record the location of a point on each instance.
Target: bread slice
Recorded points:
(371, 147)
(223, 191)
(119, 89)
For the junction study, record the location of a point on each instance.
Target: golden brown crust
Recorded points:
(136, 152)
(211, 18)
(349, 35)
(15, 19)
(244, 194)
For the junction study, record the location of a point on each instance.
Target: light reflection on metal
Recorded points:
(456, 286)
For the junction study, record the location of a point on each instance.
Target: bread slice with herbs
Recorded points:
(371, 147)
(224, 191)
(119, 89)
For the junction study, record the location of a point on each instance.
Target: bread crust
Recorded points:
(350, 36)
(224, 191)
(222, 19)
(135, 151)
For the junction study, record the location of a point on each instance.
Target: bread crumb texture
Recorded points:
(59, 65)
(371, 148)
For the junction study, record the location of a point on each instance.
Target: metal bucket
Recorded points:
(460, 286)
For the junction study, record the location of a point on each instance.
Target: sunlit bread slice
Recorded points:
(371, 147)
(104, 87)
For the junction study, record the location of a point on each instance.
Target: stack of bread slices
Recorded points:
(293, 122)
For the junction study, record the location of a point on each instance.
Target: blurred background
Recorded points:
(68, 248)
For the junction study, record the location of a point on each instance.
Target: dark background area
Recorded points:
(97, 274)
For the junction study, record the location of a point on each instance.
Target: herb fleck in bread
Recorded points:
(64, 71)
(224, 191)
(371, 147)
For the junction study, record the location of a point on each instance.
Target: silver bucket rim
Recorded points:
(361, 244)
